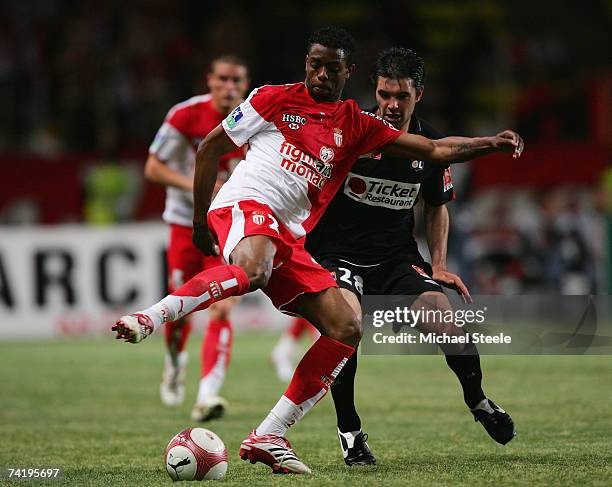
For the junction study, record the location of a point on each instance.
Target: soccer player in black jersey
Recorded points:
(366, 239)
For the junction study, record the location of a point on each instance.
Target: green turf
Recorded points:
(92, 407)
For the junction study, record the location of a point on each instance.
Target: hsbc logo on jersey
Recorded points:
(294, 121)
(395, 195)
(303, 165)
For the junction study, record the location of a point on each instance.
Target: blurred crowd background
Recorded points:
(85, 85)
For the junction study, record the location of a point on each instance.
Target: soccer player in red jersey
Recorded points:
(302, 142)
(171, 162)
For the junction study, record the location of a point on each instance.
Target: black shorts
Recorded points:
(394, 277)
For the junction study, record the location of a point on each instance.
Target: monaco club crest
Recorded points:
(338, 137)
(259, 218)
(326, 154)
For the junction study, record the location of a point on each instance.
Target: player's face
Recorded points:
(326, 72)
(228, 84)
(396, 99)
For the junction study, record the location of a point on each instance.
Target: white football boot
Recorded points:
(133, 328)
(273, 450)
(172, 387)
(211, 408)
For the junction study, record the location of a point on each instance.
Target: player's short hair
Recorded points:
(336, 38)
(398, 63)
(229, 59)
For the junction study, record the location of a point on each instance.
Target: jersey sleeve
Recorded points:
(253, 115)
(374, 132)
(168, 143)
(179, 117)
(438, 187)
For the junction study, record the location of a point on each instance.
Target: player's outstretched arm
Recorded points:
(210, 150)
(454, 149)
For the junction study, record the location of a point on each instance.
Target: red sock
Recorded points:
(311, 380)
(216, 346)
(316, 371)
(211, 285)
(176, 334)
(298, 327)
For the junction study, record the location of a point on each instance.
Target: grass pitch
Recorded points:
(92, 407)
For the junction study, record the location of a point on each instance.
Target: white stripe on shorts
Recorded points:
(236, 233)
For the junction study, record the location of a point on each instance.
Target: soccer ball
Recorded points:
(196, 454)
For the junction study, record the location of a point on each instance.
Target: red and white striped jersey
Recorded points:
(175, 144)
(299, 151)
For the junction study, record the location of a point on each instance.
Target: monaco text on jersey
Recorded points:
(298, 162)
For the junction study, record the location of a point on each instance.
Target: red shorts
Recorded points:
(184, 259)
(295, 271)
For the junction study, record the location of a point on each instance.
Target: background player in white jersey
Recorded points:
(171, 162)
(303, 142)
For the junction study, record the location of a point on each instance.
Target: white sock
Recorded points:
(280, 418)
(484, 405)
(171, 308)
(211, 383)
(179, 361)
(285, 347)
(350, 437)
(283, 355)
(349, 434)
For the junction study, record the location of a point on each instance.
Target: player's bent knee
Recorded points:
(259, 277)
(347, 331)
(258, 272)
(255, 254)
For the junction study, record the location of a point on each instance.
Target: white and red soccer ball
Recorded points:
(196, 454)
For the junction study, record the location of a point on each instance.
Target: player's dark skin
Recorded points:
(327, 71)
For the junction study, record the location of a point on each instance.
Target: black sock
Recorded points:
(343, 392)
(467, 369)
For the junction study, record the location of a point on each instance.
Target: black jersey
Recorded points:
(371, 218)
